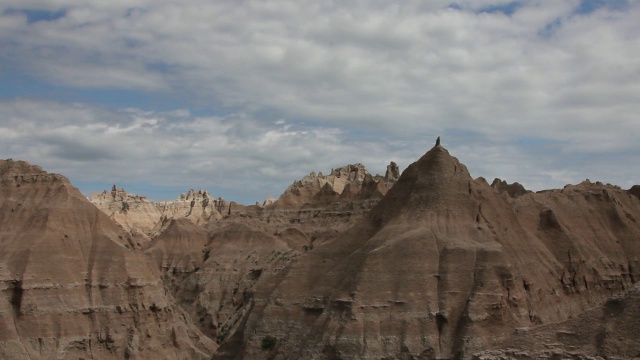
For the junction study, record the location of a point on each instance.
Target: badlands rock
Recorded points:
(72, 285)
(609, 331)
(342, 184)
(134, 213)
(179, 248)
(137, 214)
(319, 206)
(514, 190)
(269, 200)
(392, 175)
(445, 266)
(236, 258)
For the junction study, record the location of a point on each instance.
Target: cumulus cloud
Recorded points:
(242, 158)
(235, 155)
(555, 84)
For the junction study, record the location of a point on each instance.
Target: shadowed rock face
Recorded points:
(236, 258)
(445, 266)
(609, 331)
(71, 285)
(179, 249)
(514, 190)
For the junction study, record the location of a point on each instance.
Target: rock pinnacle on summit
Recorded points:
(445, 266)
(427, 264)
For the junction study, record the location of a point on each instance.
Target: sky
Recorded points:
(242, 97)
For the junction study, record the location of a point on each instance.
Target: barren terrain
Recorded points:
(427, 263)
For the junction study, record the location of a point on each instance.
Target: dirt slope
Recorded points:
(445, 266)
(71, 284)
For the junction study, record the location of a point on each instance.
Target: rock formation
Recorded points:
(269, 200)
(609, 331)
(392, 175)
(235, 258)
(514, 190)
(343, 184)
(424, 265)
(137, 214)
(72, 284)
(444, 267)
(179, 248)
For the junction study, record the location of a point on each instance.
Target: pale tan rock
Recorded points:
(137, 214)
(269, 200)
(318, 191)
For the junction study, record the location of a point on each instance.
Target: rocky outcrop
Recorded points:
(609, 331)
(235, 259)
(437, 266)
(269, 200)
(72, 286)
(392, 175)
(514, 190)
(445, 266)
(137, 214)
(179, 249)
(343, 185)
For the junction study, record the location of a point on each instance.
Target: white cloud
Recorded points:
(236, 154)
(392, 73)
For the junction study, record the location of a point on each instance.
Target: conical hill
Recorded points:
(72, 284)
(443, 266)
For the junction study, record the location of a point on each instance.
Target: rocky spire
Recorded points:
(433, 182)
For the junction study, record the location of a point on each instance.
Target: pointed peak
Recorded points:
(438, 141)
(436, 181)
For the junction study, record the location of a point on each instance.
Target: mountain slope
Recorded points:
(72, 287)
(443, 266)
(609, 331)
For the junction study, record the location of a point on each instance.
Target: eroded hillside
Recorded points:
(430, 264)
(72, 284)
(445, 266)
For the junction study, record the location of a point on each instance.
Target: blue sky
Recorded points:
(243, 98)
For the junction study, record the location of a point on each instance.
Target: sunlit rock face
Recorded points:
(343, 185)
(139, 215)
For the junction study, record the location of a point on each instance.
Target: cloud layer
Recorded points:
(542, 92)
(235, 156)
